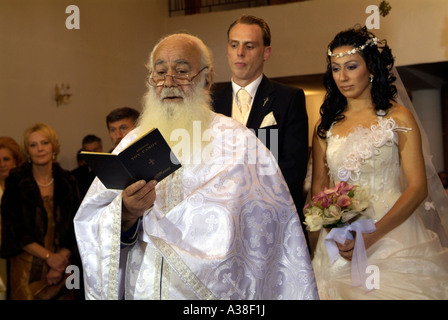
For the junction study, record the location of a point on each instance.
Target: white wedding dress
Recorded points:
(407, 263)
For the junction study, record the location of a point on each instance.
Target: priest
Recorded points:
(223, 226)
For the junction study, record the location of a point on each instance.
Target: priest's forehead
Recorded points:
(178, 51)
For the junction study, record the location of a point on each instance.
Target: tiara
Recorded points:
(371, 42)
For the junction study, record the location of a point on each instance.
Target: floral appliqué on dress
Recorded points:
(364, 144)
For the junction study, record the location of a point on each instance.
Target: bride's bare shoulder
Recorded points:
(402, 115)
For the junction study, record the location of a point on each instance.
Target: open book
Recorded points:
(149, 158)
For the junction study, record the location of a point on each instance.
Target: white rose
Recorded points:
(314, 222)
(333, 212)
(360, 200)
(314, 210)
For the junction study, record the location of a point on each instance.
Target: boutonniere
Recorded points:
(265, 101)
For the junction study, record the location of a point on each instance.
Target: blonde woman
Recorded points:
(38, 206)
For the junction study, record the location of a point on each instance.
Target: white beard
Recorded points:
(179, 123)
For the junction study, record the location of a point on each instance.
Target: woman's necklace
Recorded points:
(45, 185)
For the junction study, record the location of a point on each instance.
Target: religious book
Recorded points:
(149, 158)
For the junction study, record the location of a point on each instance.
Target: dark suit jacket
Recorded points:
(84, 176)
(24, 217)
(288, 105)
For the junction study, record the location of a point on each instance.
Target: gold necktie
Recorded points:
(244, 100)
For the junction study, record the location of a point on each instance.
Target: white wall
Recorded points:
(104, 61)
(416, 30)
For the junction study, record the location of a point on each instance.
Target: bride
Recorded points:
(366, 138)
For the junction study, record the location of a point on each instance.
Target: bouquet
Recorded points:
(336, 206)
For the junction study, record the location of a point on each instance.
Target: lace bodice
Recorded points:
(368, 157)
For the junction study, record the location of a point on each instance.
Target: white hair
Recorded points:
(206, 58)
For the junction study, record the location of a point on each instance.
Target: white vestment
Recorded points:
(226, 228)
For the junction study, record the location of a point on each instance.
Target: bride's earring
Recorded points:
(371, 78)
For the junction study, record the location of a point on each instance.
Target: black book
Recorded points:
(149, 158)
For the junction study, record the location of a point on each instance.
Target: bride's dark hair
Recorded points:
(379, 63)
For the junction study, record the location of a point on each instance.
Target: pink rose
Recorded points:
(344, 201)
(326, 202)
(343, 187)
(323, 198)
(330, 192)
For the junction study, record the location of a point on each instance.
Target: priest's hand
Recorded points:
(137, 198)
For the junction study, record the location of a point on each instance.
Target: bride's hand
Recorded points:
(346, 249)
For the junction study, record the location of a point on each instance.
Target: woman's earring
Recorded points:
(371, 78)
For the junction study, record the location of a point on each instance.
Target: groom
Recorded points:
(276, 112)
